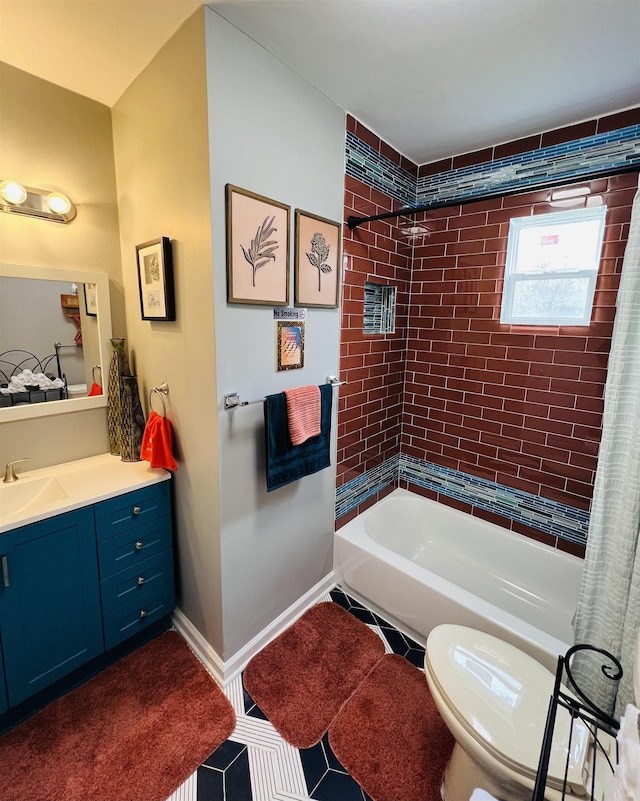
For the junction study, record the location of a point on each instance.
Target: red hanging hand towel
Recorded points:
(157, 443)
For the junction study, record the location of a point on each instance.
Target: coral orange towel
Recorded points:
(303, 413)
(96, 389)
(157, 443)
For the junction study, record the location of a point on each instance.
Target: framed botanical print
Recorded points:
(155, 280)
(317, 261)
(90, 300)
(257, 248)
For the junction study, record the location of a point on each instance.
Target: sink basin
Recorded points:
(29, 495)
(60, 488)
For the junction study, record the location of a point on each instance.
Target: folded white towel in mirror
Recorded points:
(626, 778)
(26, 378)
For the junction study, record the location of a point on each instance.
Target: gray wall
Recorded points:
(276, 135)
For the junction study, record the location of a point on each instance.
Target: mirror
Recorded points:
(62, 318)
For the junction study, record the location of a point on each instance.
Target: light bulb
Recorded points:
(58, 203)
(13, 192)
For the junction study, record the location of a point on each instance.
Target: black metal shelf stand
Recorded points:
(579, 707)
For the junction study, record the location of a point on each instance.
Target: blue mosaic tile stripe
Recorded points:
(377, 171)
(552, 517)
(543, 514)
(359, 489)
(569, 161)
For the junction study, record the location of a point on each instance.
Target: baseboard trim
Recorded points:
(225, 671)
(201, 648)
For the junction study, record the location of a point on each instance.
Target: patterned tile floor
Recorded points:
(256, 764)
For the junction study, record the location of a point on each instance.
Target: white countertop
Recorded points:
(39, 494)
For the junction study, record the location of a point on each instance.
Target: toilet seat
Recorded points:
(500, 696)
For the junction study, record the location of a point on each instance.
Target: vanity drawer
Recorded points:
(136, 584)
(132, 547)
(134, 617)
(131, 510)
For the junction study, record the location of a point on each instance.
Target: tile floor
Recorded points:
(256, 764)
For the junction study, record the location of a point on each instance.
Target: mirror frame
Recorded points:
(29, 411)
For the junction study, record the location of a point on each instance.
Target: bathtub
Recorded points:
(419, 563)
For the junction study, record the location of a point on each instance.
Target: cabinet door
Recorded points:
(3, 687)
(50, 610)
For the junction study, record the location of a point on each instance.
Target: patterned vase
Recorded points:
(132, 418)
(118, 367)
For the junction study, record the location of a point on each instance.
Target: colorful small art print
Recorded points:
(155, 280)
(257, 248)
(317, 261)
(290, 345)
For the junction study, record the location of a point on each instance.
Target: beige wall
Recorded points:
(161, 152)
(53, 138)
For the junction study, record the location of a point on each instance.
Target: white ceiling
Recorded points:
(433, 78)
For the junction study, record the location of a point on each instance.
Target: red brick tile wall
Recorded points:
(518, 405)
(569, 133)
(370, 403)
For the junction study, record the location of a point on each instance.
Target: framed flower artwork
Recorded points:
(317, 261)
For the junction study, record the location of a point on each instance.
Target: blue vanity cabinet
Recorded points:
(3, 686)
(50, 613)
(135, 553)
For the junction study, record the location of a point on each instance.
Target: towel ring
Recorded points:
(93, 372)
(161, 391)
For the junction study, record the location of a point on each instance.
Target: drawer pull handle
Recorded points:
(136, 510)
(140, 581)
(5, 571)
(139, 546)
(143, 614)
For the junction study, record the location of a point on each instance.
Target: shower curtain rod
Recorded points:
(354, 222)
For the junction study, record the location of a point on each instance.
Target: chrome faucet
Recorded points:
(9, 472)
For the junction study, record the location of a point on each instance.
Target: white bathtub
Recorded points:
(420, 563)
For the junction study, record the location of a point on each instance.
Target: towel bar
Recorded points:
(232, 399)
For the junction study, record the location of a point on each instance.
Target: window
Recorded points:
(551, 269)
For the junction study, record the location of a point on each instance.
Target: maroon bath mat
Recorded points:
(390, 737)
(303, 678)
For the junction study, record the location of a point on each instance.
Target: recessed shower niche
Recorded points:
(379, 308)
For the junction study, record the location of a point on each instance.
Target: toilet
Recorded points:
(494, 700)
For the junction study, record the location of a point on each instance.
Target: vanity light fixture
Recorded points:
(18, 199)
(13, 192)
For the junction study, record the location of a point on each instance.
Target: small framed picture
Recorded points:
(155, 280)
(257, 249)
(290, 345)
(317, 261)
(90, 300)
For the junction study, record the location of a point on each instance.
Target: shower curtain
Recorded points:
(608, 614)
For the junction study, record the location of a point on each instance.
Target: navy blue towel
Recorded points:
(287, 462)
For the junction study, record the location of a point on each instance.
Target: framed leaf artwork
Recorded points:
(257, 248)
(317, 261)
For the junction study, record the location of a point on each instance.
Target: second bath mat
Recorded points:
(390, 736)
(302, 679)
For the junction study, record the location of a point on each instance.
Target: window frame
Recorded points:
(512, 277)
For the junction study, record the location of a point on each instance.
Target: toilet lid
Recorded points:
(501, 696)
